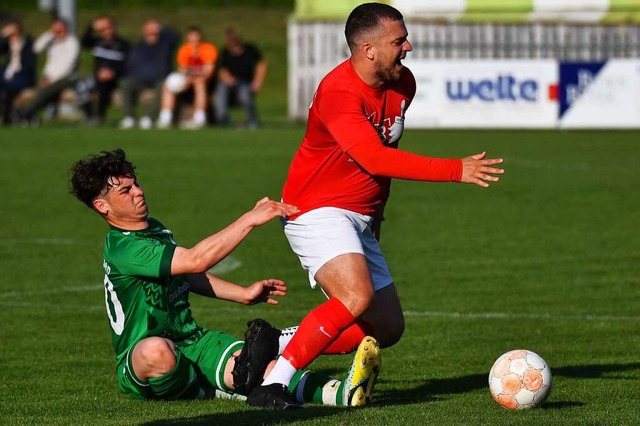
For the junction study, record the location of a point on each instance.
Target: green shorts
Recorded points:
(209, 356)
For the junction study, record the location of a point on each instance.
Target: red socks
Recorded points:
(349, 339)
(317, 331)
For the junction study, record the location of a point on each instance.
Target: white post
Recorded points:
(67, 11)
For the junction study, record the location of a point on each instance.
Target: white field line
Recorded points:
(47, 241)
(300, 312)
(226, 265)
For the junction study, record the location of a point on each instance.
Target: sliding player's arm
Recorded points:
(213, 249)
(206, 284)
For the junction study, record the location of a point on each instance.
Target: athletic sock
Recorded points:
(347, 342)
(165, 116)
(282, 372)
(179, 383)
(309, 386)
(317, 330)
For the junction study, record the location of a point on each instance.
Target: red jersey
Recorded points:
(347, 114)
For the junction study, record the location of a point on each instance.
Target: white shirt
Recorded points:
(62, 55)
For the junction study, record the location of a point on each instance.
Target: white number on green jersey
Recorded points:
(114, 307)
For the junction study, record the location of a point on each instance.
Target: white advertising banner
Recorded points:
(484, 93)
(600, 95)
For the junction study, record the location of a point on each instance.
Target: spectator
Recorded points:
(109, 53)
(18, 69)
(147, 66)
(197, 61)
(242, 72)
(63, 50)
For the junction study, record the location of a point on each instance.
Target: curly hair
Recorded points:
(367, 17)
(91, 176)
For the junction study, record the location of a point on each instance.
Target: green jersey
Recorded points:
(141, 296)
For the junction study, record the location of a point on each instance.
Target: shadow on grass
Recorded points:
(428, 391)
(252, 417)
(436, 389)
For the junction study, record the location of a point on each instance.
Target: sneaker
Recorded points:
(274, 395)
(363, 373)
(193, 125)
(145, 123)
(260, 348)
(127, 123)
(163, 124)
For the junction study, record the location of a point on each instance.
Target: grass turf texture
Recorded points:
(545, 260)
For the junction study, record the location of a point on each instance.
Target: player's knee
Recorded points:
(358, 304)
(157, 355)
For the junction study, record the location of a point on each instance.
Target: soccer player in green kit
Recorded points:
(161, 352)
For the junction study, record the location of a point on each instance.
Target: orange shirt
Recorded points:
(194, 58)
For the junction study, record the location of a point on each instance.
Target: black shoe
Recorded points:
(260, 348)
(274, 395)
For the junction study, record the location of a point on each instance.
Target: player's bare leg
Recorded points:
(385, 316)
(168, 104)
(347, 278)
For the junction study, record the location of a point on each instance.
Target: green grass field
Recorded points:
(548, 260)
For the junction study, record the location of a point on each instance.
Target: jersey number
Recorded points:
(114, 307)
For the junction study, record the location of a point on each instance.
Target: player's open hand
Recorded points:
(477, 169)
(261, 291)
(266, 209)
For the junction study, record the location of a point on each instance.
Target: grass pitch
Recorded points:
(547, 260)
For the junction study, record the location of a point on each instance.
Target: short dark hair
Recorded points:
(194, 29)
(91, 175)
(367, 17)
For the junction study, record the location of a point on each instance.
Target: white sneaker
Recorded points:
(127, 123)
(192, 125)
(145, 123)
(163, 124)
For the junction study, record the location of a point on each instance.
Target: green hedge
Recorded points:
(9, 5)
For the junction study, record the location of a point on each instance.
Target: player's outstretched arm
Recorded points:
(209, 285)
(477, 169)
(216, 247)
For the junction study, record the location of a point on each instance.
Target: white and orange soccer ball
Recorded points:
(520, 379)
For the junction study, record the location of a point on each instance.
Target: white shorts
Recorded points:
(325, 233)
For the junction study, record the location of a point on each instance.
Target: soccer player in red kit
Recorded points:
(339, 179)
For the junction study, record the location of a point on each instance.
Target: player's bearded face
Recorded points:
(391, 48)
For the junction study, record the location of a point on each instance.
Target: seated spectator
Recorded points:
(148, 65)
(196, 61)
(63, 50)
(18, 68)
(109, 53)
(242, 72)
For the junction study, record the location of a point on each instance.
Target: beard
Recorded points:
(386, 71)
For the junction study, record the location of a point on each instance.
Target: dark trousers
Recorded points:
(98, 108)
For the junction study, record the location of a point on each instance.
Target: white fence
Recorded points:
(314, 48)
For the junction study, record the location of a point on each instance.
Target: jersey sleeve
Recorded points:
(343, 115)
(143, 257)
(209, 54)
(379, 160)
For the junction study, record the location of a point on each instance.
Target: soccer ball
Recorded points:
(175, 82)
(520, 379)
